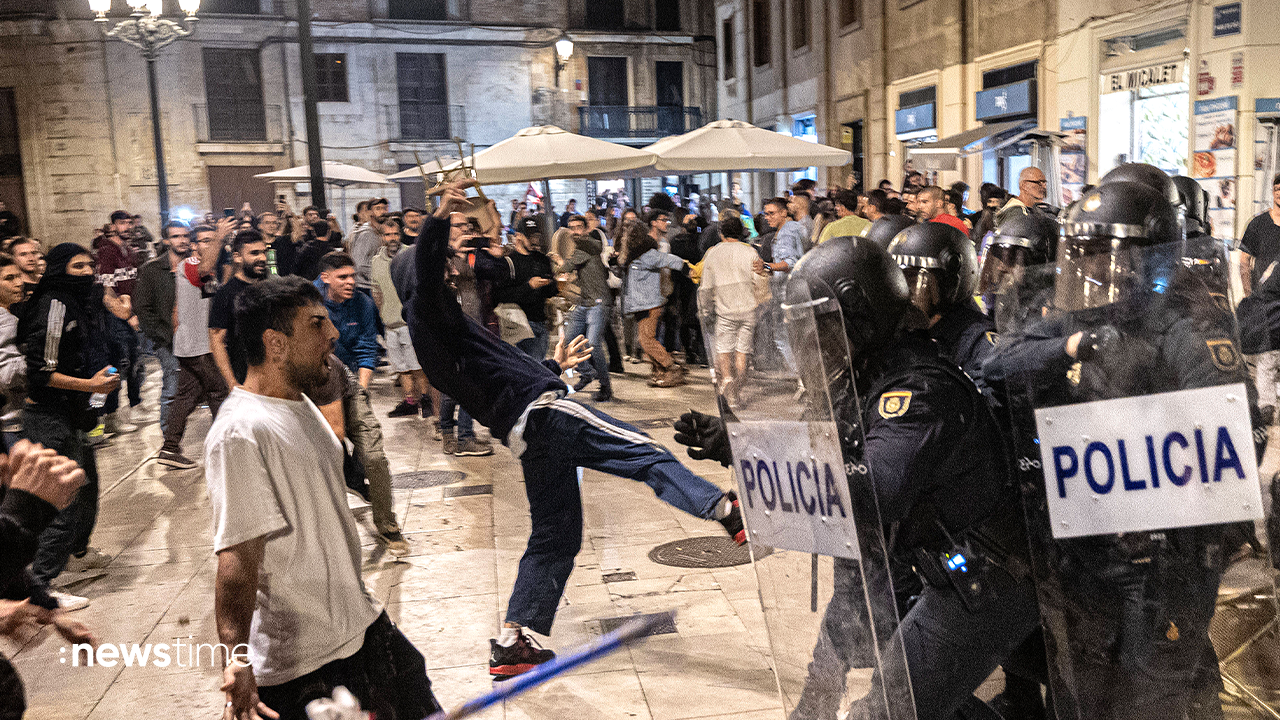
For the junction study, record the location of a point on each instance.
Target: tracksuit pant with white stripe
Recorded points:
(559, 438)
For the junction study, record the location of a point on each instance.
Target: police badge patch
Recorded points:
(1223, 353)
(894, 404)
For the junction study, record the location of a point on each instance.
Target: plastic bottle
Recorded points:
(97, 400)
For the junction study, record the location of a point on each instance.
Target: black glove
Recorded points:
(706, 437)
(1098, 344)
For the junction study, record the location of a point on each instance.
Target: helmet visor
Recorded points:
(926, 291)
(1094, 272)
(1003, 264)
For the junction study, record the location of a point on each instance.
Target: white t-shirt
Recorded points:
(191, 305)
(274, 468)
(729, 281)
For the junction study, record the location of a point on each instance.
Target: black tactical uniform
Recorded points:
(1126, 615)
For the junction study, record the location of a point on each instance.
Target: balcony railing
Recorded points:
(640, 122)
(239, 125)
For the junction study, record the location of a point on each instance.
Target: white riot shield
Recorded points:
(783, 379)
(1135, 416)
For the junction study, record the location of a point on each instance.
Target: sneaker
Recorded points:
(436, 432)
(404, 409)
(733, 521)
(470, 447)
(671, 377)
(356, 501)
(395, 542)
(175, 460)
(603, 396)
(90, 559)
(98, 435)
(450, 441)
(582, 384)
(657, 377)
(70, 603)
(521, 657)
(116, 423)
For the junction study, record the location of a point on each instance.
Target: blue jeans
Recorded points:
(168, 381)
(560, 438)
(536, 346)
(126, 356)
(465, 425)
(589, 320)
(70, 530)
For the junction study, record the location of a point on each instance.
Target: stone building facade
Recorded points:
(975, 90)
(397, 77)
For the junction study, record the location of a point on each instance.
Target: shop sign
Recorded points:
(1213, 160)
(1268, 106)
(1204, 80)
(1237, 69)
(1226, 19)
(914, 118)
(1161, 74)
(1073, 158)
(1005, 101)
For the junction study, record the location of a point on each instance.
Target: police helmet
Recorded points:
(939, 263)
(1195, 204)
(1021, 240)
(1149, 175)
(1120, 239)
(887, 227)
(854, 280)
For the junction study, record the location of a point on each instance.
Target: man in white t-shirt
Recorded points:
(288, 582)
(729, 290)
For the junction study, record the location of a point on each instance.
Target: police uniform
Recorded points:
(966, 337)
(1127, 615)
(938, 466)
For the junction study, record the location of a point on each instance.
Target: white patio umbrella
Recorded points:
(414, 174)
(546, 152)
(732, 145)
(334, 173)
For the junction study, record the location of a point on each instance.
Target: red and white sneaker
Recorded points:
(733, 521)
(522, 656)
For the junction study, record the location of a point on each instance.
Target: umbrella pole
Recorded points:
(344, 205)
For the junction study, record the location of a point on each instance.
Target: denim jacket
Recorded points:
(644, 280)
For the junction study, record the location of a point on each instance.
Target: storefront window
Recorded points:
(1150, 126)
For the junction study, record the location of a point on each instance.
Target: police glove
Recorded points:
(1097, 345)
(706, 437)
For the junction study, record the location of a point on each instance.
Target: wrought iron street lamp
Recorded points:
(149, 32)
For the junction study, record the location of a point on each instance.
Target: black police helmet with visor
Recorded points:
(887, 227)
(1022, 240)
(940, 266)
(1119, 243)
(1195, 204)
(855, 299)
(1149, 175)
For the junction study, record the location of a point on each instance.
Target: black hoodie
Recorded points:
(492, 380)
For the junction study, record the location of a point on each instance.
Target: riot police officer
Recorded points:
(942, 274)
(1126, 616)
(887, 227)
(937, 466)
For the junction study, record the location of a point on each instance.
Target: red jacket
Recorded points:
(117, 267)
(953, 221)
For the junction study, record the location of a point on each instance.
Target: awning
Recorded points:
(944, 154)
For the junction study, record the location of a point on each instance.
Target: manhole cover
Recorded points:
(705, 552)
(465, 490)
(665, 625)
(426, 479)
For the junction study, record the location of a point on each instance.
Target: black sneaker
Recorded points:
(175, 460)
(733, 521)
(582, 384)
(603, 396)
(404, 409)
(521, 657)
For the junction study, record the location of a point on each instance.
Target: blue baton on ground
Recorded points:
(594, 650)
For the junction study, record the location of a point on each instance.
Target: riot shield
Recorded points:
(1135, 420)
(796, 436)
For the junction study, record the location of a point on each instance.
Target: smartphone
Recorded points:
(228, 212)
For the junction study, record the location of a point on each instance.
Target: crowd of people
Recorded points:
(278, 322)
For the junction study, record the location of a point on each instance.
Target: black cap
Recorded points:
(528, 226)
(120, 215)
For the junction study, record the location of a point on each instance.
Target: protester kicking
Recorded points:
(522, 401)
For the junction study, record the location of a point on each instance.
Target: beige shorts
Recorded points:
(400, 351)
(735, 335)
